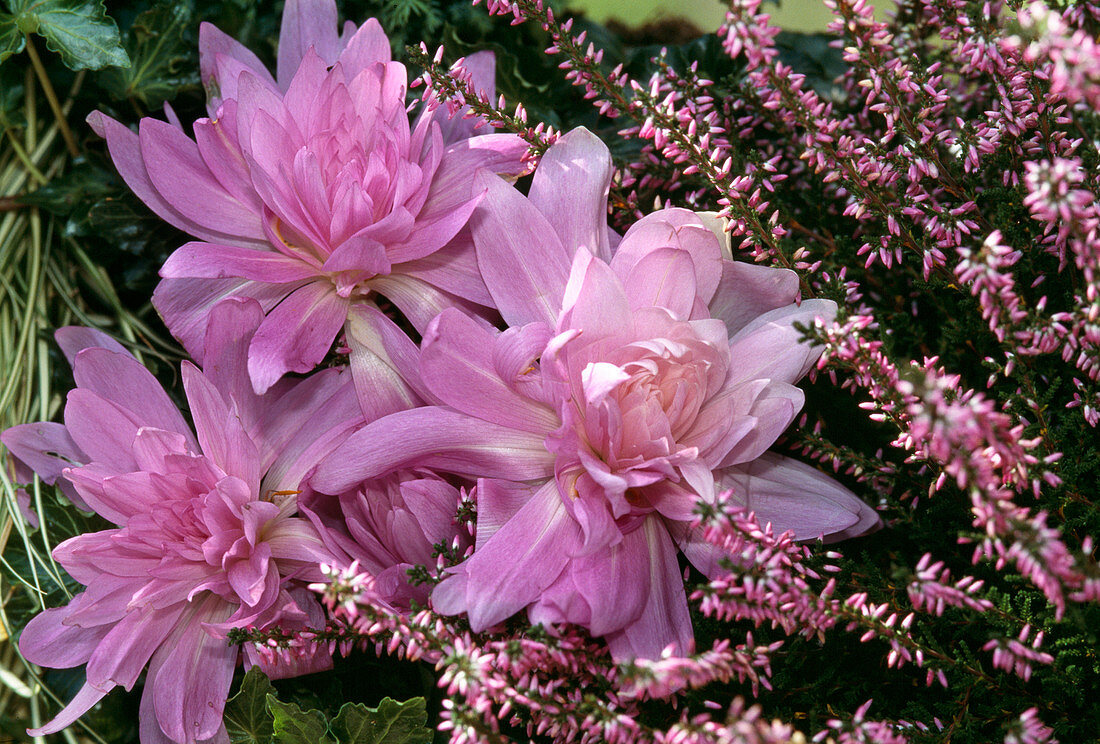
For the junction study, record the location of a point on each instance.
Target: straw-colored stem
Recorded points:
(51, 98)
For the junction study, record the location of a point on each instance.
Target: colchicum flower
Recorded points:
(628, 386)
(206, 538)
(390, 524)
(310, 191)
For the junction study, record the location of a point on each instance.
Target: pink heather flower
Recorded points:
(625, 389)
(310, 191)
(204, 541)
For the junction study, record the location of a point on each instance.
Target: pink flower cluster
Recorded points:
(585, 393)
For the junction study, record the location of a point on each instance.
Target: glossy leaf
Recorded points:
(390, 723)
(79, 30)
(247, 719)
(292, 725)
(12, 40)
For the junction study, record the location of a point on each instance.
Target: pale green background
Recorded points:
(796, 15)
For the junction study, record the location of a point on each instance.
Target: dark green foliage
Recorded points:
(247, 720)
(256, 715)
(163, 56)
(390, 723)
(292, 725)
(12, 40)
(79, 30)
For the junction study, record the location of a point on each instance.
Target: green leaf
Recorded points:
(293, 725)
(162, 59)
(247, 720)
(390, 723)
(12, 40)
(79, 30)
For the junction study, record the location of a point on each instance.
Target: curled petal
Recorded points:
(432, 437)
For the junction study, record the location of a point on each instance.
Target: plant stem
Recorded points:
(51, 97)
(25, 159)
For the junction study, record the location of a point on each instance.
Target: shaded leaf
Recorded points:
(11, 38)
(162, 59)
(12, 115)
(247, 719)
(65, 193)
(390, 723)
(292, 725)
(78, 30)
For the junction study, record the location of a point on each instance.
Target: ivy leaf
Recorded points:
(292, 725)
(162, 60)
(12, 40)
(390, 723)
(79, 30)
(247, 720)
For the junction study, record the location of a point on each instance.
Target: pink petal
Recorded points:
(177, 171)
(497, 502)
(457, 365)
(432, 437)
(570, 188)
(82, 702)
(190, 675)
(663, 278)
(306, 24)
(418, 300)
(220, 432)
(102, 429)
(724, 420)
(74, 339)
(122, 655)
(746, 291)
(296, 335)
(515, 565)
(673, 228)
(665, 619)
(527, 285)
(122, 380)
(367, 47)
(126, 152)
(295, 543)
(48, 641)
(615, 582)
(774, 410)
(317, 436)
(501, 154)
(433, 503)
(220, 148)
(225, 357)
(305, 86)
(185, 304)
(593, 301)
(793, 496)
(118, 497)
(770, 347)
(213, 42)
(45, 447)
(385, 364)
(432, 231)
(210, 261)
(453, 268)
